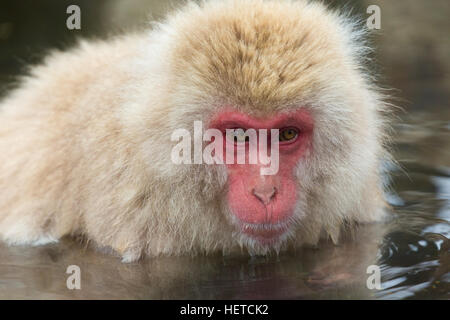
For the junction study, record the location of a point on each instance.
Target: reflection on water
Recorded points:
(415, 256)
(412, 250)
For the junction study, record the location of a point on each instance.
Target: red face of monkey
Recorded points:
(262, 205)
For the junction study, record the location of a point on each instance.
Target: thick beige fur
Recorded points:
(85, 140)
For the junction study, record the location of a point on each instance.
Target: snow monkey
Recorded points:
(85, 140)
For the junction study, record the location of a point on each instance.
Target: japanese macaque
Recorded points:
(85, 141)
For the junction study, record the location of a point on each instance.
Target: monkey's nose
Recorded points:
(265, 194)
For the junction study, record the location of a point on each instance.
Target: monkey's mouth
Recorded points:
(266, 234)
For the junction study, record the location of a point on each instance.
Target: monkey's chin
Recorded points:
(266, 235)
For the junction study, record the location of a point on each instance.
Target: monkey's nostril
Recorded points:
(265, 195)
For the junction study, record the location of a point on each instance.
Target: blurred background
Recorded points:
(412, 59)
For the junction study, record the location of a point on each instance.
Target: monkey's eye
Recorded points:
(288, 134)
(239, 135)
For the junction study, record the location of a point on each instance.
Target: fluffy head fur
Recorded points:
(85, 141)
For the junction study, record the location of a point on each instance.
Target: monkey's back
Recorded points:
(61, 138)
